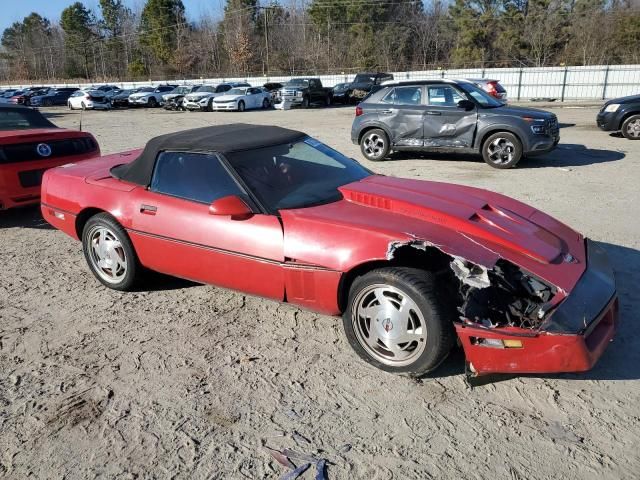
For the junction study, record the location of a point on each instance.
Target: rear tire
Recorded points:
(631, 128)
(109, 253)
(327, 101)
(398, 321)
(83, 106)
(375, 145)
(266, 103)
(502, 150)
(69, 106)
(210, 105)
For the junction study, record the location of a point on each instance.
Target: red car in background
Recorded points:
(412, 266)
(29, 145)
(492, 87)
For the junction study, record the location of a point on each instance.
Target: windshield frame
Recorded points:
(297, 82)
(268, 208)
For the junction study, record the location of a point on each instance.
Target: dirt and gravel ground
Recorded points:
(186, 381)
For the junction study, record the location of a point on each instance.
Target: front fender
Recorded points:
(523, 132)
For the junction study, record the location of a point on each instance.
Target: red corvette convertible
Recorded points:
(29, 144)
(412, 266)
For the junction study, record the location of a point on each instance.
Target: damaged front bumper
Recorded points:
(571, 339)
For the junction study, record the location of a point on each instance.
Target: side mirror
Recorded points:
(232, 206)
(466, 105)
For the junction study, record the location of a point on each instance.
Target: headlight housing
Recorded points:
(612, 107)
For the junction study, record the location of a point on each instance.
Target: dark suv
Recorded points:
(444, 115)
(621, 114)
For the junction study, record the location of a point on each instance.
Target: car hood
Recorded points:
(520, 111)
(379, 213)
(140, 94)
(228, 98)
(198, 95)
(629, 99)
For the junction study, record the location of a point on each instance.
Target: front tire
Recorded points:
(266, 103)
(502, 150)
(109, 253)
(306, 103)
(396, 320)
(153, 103)
(631, 128)
(241, 106)
(375, 145)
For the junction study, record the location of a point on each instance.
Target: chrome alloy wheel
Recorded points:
(389, 325)
(107, 254)
(374, 145)
(501, 150)
(633, 128)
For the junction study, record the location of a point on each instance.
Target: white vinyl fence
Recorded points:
(560, 83)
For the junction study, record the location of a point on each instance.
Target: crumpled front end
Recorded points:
(520, 335)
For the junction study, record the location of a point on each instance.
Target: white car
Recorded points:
(242, 98)
(202, 99)
(88, 100)
(149, 96)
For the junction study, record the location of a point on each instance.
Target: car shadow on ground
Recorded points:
(565, 155)
(566, 125)
(571, 155)
(24, 217)
(159, 282)
(621, 360)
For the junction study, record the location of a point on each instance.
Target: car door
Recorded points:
(445, 123)
(254, 96)
(403, 110)
(174, 232)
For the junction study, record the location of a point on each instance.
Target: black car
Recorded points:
(364, 82)
(445, 115)
(121, 99)
(55, 96)
(341, 93)
(621, 115)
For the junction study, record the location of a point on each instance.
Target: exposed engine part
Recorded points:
(500, 296)
(513, 298)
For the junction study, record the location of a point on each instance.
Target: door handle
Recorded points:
(148, 209)
(432, 113)
(386, 111)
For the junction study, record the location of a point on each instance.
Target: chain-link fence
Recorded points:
(559, 83)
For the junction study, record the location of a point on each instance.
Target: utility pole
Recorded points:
(266, 36)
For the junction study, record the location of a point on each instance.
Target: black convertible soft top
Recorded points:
(19, 117)
(221, 138)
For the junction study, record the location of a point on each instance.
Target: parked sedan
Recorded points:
(151, 99)
(55, 96)
(446, 115)
(341, 93)
(121, 99)
(88, 100)
(173, 100)
(413, 266)
(621, 115)
(202, 98)
(29, 145)
(242, 98)
(7, 94)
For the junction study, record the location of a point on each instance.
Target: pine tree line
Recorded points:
(316, 36)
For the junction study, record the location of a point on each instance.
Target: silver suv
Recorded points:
(447, 115)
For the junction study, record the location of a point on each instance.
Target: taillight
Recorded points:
(359, 111)
(491, 89)
(87, 96)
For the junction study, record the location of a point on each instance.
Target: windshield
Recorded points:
(144, 89)
(205, 88)
(296, 175)
(296, 82)
(362, 78)
(11, 119)
(483, 98)
(181, 90)
(237, 91)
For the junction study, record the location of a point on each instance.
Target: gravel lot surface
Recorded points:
(185, 381)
